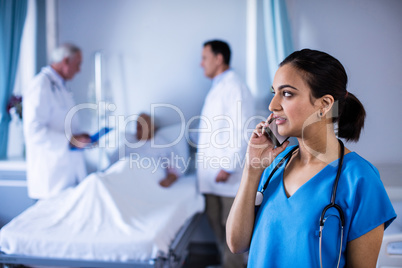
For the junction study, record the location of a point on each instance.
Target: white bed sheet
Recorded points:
(119, 215)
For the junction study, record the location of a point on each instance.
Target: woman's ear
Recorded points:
(326, 103)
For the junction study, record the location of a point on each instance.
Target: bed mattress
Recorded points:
(118, 215)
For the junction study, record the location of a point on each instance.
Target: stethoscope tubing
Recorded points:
(261, 193)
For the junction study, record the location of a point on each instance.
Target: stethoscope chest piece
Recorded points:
(258, 198)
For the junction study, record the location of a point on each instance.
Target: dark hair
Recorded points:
(325, 75)
(220, 47)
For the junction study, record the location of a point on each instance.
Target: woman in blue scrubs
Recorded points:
(310, 103)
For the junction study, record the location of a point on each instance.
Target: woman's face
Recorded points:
(292, 102)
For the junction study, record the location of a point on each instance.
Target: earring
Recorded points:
(320, 114)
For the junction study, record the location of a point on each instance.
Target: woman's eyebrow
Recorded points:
(284, 86)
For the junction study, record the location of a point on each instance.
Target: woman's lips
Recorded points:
(279, 120)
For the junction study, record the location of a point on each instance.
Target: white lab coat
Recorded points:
(51, 165)
(222, 142)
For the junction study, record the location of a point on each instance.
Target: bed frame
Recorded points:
(176, 256)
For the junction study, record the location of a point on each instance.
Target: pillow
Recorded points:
(176, 139)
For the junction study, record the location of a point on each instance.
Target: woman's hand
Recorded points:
(260, 154)
(261, 151)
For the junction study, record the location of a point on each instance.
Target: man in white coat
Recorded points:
(222, 142)
(52, 165)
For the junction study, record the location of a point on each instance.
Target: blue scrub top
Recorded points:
(286, 229)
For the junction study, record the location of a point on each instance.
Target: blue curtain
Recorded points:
(278, 37)
(12, 19)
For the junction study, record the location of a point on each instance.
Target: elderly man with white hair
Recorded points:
(52, 165)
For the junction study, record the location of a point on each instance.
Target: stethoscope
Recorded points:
(260, 196)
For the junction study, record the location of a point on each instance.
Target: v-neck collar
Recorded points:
(332, 165)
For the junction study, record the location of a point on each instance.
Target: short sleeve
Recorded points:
(371, 205)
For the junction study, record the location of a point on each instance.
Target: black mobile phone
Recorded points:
(272, 132)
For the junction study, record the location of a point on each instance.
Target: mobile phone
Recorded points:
(272, 132)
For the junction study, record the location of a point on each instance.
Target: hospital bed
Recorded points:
(120, 217)
(178, 251)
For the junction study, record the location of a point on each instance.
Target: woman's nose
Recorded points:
(274, 104)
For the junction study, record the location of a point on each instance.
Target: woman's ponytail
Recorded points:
(351, 118)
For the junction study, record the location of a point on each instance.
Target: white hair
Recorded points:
(63, 51)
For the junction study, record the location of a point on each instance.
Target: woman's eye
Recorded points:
(272, 90)
(287, 94)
